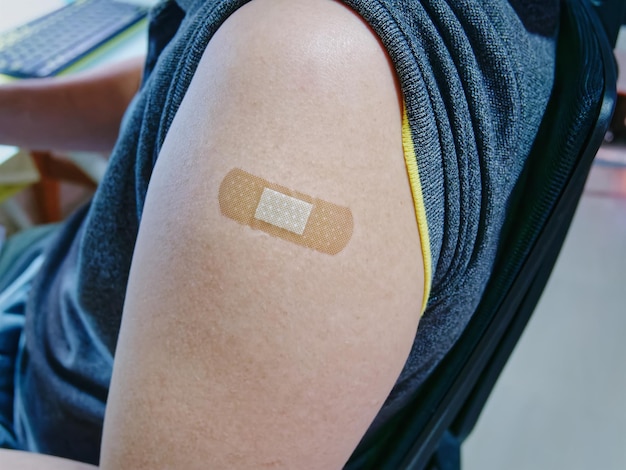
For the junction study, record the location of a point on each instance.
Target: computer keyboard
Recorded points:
(53, 42)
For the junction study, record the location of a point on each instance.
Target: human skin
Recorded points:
(240, 350)
(74, 112)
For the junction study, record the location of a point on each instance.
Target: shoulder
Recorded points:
(233, 329)
(299, 46)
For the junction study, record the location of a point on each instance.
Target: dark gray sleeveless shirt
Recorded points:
(475, 75)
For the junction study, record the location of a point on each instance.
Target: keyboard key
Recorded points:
(53, 42)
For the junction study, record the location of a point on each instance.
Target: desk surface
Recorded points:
(129, 44)
(16, 13)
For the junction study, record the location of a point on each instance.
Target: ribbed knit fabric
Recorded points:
(475, 84)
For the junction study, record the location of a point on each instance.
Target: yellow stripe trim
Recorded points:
(418, 201)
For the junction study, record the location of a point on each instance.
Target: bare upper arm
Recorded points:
(239, 349)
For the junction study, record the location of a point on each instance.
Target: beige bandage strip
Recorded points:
(281, 212)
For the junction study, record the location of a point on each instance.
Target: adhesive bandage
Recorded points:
(281, 212)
